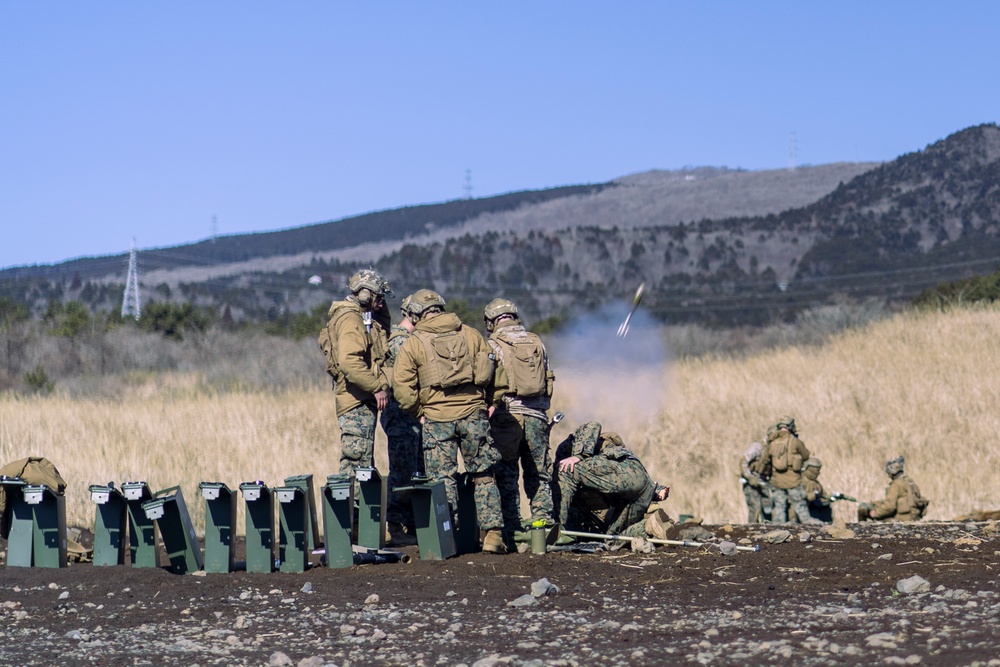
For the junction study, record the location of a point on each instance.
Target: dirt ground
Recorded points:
(812, 599)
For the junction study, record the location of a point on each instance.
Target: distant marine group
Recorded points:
(440, 389)
(781, 484)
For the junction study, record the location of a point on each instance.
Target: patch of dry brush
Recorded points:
(918, 384)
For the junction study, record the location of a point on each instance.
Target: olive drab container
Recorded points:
(110, 524)
(48, 513)
(169, 511)
(371, 508)
(432, 517)
(143, 542)
(338, 520)
(21, 529)
(293, 528)
(260, 526)
(305, 482)
(220, 527)
(37, 536)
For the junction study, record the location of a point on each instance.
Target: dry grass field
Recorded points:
(919, 384)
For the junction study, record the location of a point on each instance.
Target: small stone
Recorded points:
(543, 587)
(307, 587)
(523, 601)
(914, 584)
(313, 661)
(778, 536)
(727, 548)
(372, 599)
(64, 595)
(279, 659)
(241, 623)
(805, 536)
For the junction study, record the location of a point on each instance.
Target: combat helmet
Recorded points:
(422, 301)
(786, 422)
(812, 462)
(366, 284)
(894, 467)
(404, 307)
(497, 308)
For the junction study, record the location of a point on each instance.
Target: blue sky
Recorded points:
(146, 119)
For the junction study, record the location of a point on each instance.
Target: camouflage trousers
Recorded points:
(405, 458)
(357, 438)
(471, 435)
(756, 499)
(795, 498)
(625, 486)
(530, 452)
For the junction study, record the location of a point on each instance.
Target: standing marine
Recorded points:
(354, 342)
(519, 398)
(440, 377)
(403, 434)
(756, 490)
(786, 454)
(903, 500)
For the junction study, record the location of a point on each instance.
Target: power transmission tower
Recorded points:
(468, 184)
(130, 302)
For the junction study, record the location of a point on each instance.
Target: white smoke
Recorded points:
(623, 383)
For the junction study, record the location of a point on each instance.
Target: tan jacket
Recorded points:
(434, 403)
(899, 503)
(360, 355)
(792, 477)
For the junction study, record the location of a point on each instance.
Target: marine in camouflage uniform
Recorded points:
(786, 454)
(355, 343)
(454, 417)
(756, 490)
(590, 463)
(403, 433)
(519, 423)
(902, 502)
(819, 501)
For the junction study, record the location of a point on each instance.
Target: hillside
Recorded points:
(712, 245)
(258, 273)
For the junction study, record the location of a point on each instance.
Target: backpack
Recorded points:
(328, 342)
(779, 450)
(328, 339)
(917, 503)
(523, 357)
(449, 360)
(784, 453)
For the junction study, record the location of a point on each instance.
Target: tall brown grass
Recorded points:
(918, 384)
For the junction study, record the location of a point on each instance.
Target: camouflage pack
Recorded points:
(523, 357)
(449, 360)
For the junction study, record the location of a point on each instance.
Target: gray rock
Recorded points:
(279, 659)
(307, 587)
(544, 587)
(778, 536)
(727, 548)
(914, 584)
(523, 601)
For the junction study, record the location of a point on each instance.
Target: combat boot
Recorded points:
(398, 537)
(657, 524)
(493, 542)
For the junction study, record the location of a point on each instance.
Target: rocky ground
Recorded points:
(875, 593)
